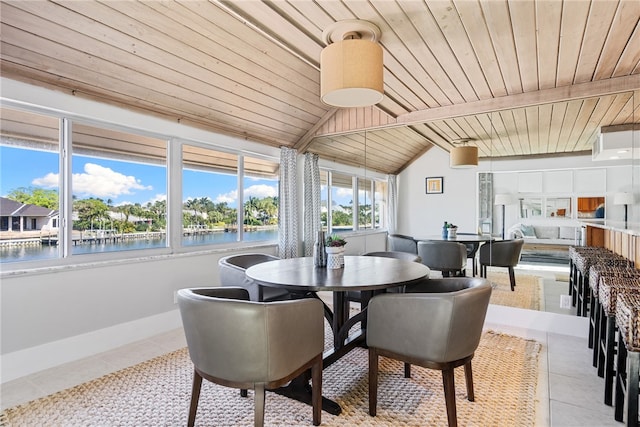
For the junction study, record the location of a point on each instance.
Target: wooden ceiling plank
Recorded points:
(497, 17)
(254, 56)
(201, 63)
(520, 119)
(544, 96)
(574, 21)
(501, 131)
(512, 132)
(128, 64)
(570, 118)
(449, 23)
(264, 17)
(624, 23)
(532, 114)
(586, 111)
(437, 51)
(548, 15)
(398, 60)
(630, 57)
(558, 112)
(598, 26)
(477, 33)
(544, 125)
(523, 16)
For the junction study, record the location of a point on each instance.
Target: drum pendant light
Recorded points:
(463, 155)
(351, 67)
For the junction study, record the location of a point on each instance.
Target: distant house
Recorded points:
(16, 216)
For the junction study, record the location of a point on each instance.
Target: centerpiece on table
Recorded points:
(449, 231)
(334, 246)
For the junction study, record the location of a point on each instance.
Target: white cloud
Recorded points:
(97, 181)
(229, 197)
(344, 192)
(260, 191)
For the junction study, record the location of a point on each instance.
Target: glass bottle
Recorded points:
(319, 254)
(444, 230)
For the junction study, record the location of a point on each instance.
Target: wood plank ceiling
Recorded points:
(519, 77)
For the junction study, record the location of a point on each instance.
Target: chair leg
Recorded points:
(450, 396)
(609, 368)
(243, 392)
(631, 396)
(468, 376)
(512, 278)
(407, 370)
(258, 402)
(316, 392)
(373, 382)
(195, 395)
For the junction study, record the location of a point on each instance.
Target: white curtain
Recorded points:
(288, 209)
(392, 206)
(311, 202)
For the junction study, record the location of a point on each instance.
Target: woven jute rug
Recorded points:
(157, 393)
(527, 294)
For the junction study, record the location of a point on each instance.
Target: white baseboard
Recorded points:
(28, 361)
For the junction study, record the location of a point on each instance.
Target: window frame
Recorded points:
(173, 166)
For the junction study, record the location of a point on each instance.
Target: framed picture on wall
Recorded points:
(434, 185)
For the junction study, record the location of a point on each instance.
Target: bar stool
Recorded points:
(628, 358)
(574, 251)
(583, 259)
(614, 266)
(608, 291)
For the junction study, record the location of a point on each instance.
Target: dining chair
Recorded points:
(447, 257)
(472, 251)
(244, 344)
(436, 324)
(356, 296)
(232, 273)
(402, 243)
(501, 253)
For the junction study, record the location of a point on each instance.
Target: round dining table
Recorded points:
(368, 274)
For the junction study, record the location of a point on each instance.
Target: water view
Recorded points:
(19, 253)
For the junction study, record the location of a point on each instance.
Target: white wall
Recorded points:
(421, 214)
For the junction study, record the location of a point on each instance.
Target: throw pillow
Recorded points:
(528, 231)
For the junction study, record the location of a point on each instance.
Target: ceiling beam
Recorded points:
(509, 102)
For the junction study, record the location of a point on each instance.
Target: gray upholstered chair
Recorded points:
(407, 256)
(232, 273)
(447, 257)
(239, 343)
(437, 324)
(402, 243)
(501, 253)
(356, 296)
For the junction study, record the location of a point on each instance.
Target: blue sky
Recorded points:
(122, 182)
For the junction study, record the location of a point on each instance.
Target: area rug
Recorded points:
(527, 294)
(157, 393)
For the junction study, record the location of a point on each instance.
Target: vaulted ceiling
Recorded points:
(518, 77)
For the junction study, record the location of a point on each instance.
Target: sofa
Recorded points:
(545, 234)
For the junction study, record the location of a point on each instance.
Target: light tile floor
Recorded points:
(569, 391)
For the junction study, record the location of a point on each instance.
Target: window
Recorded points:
(341, 202)
(260, 197)
(29, 168)
(211, 197)
(119, 187)
(114, 189)
(337, 191)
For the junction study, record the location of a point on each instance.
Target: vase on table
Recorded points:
(335, 257)
(452, 232)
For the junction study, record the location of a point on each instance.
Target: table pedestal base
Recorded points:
(300, 390)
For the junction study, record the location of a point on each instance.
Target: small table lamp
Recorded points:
(503, 200)
(625, 199)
